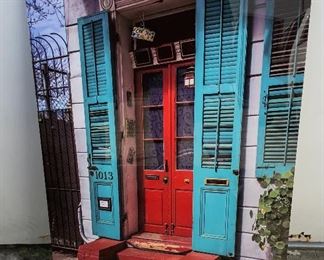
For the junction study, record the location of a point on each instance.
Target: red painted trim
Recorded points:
(176, 177)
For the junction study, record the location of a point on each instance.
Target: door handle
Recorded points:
(166, 165)
(186, 180)
(166, 228)
(172, 228)
(165, 180)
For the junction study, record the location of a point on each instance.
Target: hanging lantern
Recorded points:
(189, 77)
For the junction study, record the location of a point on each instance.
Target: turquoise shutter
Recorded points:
(282, 85)
(99, 108)
(220, 66)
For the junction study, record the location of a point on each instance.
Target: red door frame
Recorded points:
(140, 154)
(176, 177)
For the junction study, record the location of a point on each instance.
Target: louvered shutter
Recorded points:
(220, 65)
(282, 85)
(97, 80)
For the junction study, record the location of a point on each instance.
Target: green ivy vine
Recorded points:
(273, 217)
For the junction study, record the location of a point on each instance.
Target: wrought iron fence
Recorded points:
(53, 95)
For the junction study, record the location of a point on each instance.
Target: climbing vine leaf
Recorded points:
(273, 218)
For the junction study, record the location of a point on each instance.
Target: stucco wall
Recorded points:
(125, 82)
(308, 197)
(250, 190)
(23, 212)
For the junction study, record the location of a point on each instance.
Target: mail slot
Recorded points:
(216, 182)
(152, 177)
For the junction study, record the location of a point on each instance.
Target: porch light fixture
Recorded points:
(189, 77)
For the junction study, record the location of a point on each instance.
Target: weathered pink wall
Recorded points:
(125, 82)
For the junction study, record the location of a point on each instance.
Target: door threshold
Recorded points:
(160, 242)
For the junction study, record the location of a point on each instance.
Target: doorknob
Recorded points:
(165, 180)
(186, 180)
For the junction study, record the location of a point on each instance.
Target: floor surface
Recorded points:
(45, 253)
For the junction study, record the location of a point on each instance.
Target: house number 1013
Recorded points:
(103, 175)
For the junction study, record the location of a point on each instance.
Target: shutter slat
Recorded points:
(282, 122)
(217, 137)
(99, 133)
(221, 39)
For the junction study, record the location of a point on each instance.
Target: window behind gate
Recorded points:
(286, 35)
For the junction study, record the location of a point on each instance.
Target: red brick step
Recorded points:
(161, 248)
(200, 256)
(138, 254)
(100, 249)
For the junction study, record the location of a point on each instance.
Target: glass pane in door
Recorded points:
(153, 155)
(153, 121)
(153, 88)
(185, 122)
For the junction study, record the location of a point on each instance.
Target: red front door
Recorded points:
(165, 149)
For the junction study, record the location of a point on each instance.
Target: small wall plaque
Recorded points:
(129, 99)
(130, 128)
(131, 155)
(104, 204)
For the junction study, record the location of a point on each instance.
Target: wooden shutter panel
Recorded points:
(99, 133)
(218, 126)
(282, 121)
(220, 65)
(221, 42)
(282, 85)
(99, 106)
(221, 72)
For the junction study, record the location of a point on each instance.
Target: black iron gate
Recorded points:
(53, 94)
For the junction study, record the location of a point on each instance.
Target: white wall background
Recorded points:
(23, 208)
(308, 197)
